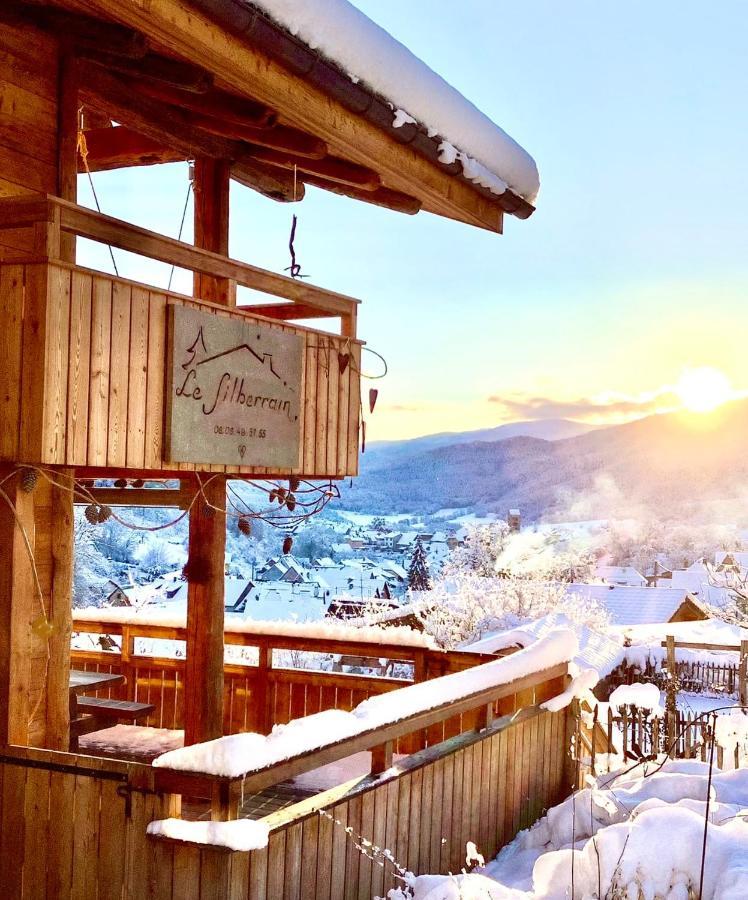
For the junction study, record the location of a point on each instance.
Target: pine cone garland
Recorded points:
(294, 483)
(287, 544)
(29, 479)
(291, 503)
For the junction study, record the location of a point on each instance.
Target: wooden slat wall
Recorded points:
(424, 817)
(104, 381)
(28, 124)
(66, 835)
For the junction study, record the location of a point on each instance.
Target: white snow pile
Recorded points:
(582, 683)
(371, 55)
(241, 834)
(239, 754)
(643, 696)
(635, 836)
(327, 629)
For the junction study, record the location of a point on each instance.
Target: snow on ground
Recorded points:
(238, 754)
(636, 835)
(342, 33)
(644, 696)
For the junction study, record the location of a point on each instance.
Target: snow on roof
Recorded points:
(596, 650)
(364, 50)
(634, 605)
(621, 575)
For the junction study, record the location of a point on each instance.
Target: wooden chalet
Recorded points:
(92, 389)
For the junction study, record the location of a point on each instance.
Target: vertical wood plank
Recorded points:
(101, 337)
(54, 423)
(11, 342)
(137, 380)
(339, 851)
(354, 410)
(276, 864)
(308, 464)
(119, 364)
(59, 850)
(367, 838)
(79, 368)
(154, 423)
(292, 873)
(333, 391)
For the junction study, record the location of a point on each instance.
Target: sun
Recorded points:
(704, 389)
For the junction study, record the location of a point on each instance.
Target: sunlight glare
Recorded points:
(703, 390)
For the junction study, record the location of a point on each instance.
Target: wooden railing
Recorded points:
(262, 694)
(96, 394)
(484, 785)
(50, 218)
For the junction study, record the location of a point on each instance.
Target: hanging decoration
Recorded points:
(287, 544)
(29, 479)
(244, 525)
(373, 394)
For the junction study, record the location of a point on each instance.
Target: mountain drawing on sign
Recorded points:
(200, 356)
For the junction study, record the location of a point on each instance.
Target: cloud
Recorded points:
(398, 407)
(611, 406)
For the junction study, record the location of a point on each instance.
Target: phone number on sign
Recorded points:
(230, 431)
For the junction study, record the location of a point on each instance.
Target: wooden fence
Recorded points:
(75, 827)
(258, 696)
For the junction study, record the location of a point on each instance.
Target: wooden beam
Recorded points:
(141, 497)
(158, 69)
(389, 199)
(203, 681)
(289, 140)
(92, 119)
(77, 32)
(67, 142)
(121, 147)
(287, 312)
(217, 104)
(330, 168)
(211, 188)
(244, 69)
(277, 184)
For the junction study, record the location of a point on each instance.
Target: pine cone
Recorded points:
(282, 494)
(91, 512)
(273, 495)
(104, 513)
(29, 479)
(245, 526)
(137, 483)
(290, 503)
(120, 483)
(294, 483)
(287, 544)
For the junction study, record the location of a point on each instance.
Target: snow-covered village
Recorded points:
(373, 427)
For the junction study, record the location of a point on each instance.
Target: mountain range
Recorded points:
(679, 464)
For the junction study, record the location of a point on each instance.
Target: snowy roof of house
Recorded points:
(635, 605)
(596, 650)
(625, 574)
(279, 601)
(740, 557)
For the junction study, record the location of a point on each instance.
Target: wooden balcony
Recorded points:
(95, 396)
(479, 766)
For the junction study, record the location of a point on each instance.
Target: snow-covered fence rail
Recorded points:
(264, 688)
(481, 786)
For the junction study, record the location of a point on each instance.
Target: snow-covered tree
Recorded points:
(418, 571)
(500, 580)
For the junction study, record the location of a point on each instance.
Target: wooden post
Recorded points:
(67, 141)
(211, 186)
(742, 693)
(671, 705)
(34, 631)
(203, 676)
(381, 758)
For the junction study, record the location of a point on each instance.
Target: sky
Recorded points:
(632, 271)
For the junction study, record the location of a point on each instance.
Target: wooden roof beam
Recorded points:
(218, 104)
(277, 184)
(331, 168)
(158, 69)
(385, 197)
(121, 147)
(77, 32)
(282, 138)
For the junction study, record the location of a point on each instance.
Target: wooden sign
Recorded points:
(234, 393)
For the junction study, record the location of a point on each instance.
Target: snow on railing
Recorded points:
(374, 720)
(327, 629)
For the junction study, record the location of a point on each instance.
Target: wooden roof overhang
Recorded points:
(219, 78)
